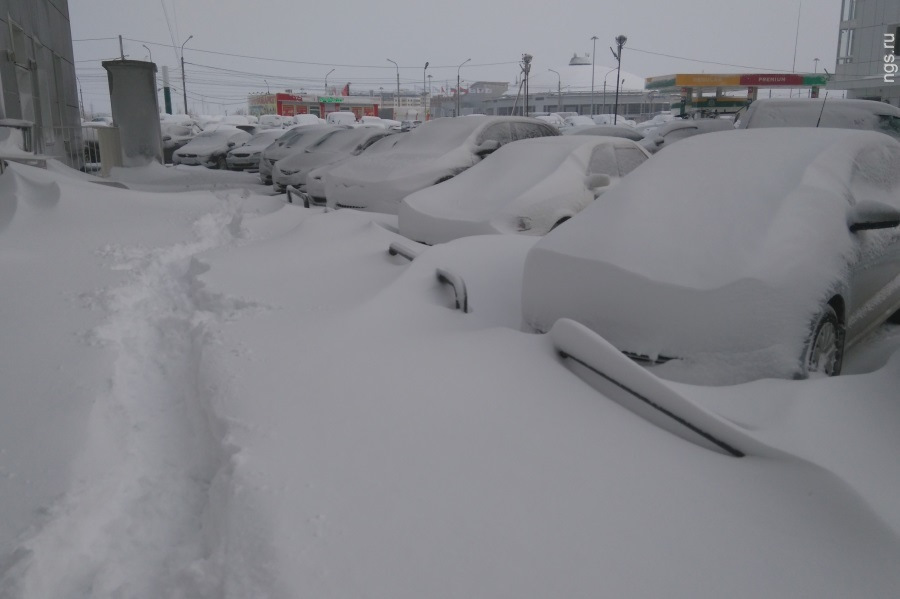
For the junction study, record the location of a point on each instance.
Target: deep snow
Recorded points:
(208, 393)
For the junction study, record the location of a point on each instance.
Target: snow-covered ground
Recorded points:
(207, 393)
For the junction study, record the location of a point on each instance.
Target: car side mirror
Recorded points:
(870, 214)
(486, 147)
(230, 144)
(597, 181)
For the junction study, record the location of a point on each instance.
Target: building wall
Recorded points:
(37, 73)
(860, 57)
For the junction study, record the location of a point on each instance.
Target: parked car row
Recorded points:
(773, 249)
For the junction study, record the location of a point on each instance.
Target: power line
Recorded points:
(723, 64)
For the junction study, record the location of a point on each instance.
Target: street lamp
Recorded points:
(604, 89)
(183, 84)
(430, 87)
(268, 91)
(151, 53)
(593, 55)
(326, 80)
(397, 97)
(815, 65)
(457, 84)
(620, 42)
(424, 93)
(558, 90)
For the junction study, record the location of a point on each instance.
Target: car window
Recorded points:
(629, 159)
(603, 162)
(529, 130)
(498, 131)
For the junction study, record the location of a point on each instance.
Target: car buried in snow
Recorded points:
(210, 147)
(776, 255)
(431, 153)
(545, 181)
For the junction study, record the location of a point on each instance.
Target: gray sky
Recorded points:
(300, 42)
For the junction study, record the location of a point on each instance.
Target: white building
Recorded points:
(868, 52)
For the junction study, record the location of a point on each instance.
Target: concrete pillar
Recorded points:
(135, 110)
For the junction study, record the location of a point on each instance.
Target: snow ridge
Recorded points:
(158, 461)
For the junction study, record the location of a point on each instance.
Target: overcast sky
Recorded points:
(243, 47)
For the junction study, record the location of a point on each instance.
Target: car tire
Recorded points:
(825, 348)
(221, 163)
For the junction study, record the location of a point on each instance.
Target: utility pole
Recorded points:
(526, 68)
(397, 97)
(559, 90)
(183, 84)
(457, 85)
(620, 43)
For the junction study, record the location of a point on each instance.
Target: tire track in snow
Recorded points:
(140, 522)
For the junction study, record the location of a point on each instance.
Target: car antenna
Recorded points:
(825, 99)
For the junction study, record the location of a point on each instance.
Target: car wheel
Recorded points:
(221, 164)
(825, 349)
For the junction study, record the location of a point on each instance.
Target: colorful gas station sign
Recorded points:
(736, 81)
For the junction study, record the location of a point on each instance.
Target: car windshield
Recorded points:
(439, 135)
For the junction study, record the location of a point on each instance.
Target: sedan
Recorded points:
(246, 156)
(431, 153)
(762, 252)
(210, 146)
(295, 140)
(529, 186)
(340, 145)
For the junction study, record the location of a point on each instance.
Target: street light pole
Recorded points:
(604, 89)
(593, 56)
(620, 42)
(397, 97)
(424, 94)
(183, 84)
(457, 85)
(148, 52)
(558, 90)
(326, 80)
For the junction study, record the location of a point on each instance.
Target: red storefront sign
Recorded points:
(770, 80)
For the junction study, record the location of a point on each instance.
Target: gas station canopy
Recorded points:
(737, 81)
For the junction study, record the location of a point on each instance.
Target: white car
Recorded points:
(210, 147)
(247, 155)
(433, 152)
(678, 129)
(295, 140)
(528, 186)
(176, 134)
(763, 253)
(840, 113)
(338, 146)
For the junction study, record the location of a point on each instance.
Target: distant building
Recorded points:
(868, 52)
(37, 75)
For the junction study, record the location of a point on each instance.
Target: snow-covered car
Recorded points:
(528, 186)
(764, 252)
(679, 129)
(209, 147)
(341, 118)
(277, 121)
(824, 112)
(433, 152)
(608, 130)
(340, 145)
(176, 134)
(307, 119)
(246, 156)
(295, 140)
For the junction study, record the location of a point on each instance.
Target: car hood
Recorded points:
(394, 165)
(724, 223)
